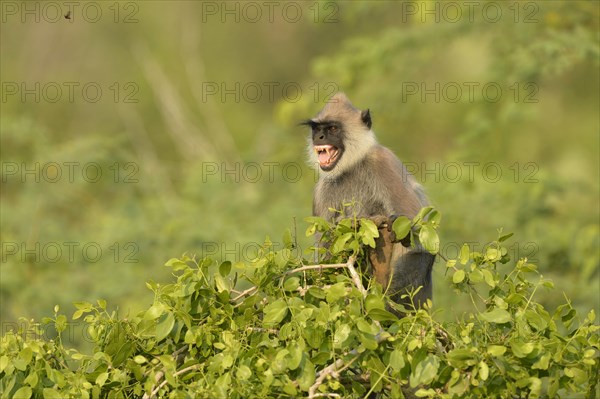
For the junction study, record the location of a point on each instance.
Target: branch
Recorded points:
(319, 267)
(331, 370)
(244, 293)
(165, 382)
(355, 277)
(159, 376)
(301, 269)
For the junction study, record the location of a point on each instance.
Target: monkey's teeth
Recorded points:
(326, 154)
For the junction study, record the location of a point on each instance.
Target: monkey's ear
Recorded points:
(366, 118)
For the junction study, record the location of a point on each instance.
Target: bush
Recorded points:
(281, 327)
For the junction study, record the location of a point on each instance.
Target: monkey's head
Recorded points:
(341, 135)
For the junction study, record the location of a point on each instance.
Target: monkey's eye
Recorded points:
(332, 129)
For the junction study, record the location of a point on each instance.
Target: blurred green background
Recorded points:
(189, 111)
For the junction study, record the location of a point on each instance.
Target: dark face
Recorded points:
(328, 142)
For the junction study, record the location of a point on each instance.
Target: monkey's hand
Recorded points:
(384, 225)
(386, 232)
(380, 256)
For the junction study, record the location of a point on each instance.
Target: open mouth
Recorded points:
(327, 155)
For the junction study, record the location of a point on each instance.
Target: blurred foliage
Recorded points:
(169, 141)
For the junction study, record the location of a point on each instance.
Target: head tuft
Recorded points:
(339, 108)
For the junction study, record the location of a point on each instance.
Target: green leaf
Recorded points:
(367, 226)
(317, 292)
(488, 277)
(496, 315)
(154, 311)
(340, 243)
(476, 276)
(434, 217)
(366, 327)
(51, 393)
(176, 264)
(458, 276)
(287, 238)
(543, 362)
(464, 254)
(25, 355)
(492, 254)
(382, 315)
(83, 305)
(77, 314)
(335, 292)
(367, 340)
(401, 227)
(425, 371)
(374, 302)
(61, 323)
(429, 238)
(520, 348)
(308, 376)
(164, 326)
(536, 320)
(3, 362)
(23, 393)
(283, 257)
(32, 380)
(484, 370)
(341, 335)
(291, 284)
(295, 355)
(225, 268)
(275, 312)
(243, 373)
(222, 283)
(397, 360)
(496, 350)
(423, 213)
(101, 379)
(462, 357)
(139, 359)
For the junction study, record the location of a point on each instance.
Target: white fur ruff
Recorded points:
(357, 146)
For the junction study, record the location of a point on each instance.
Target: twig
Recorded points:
(317, 267)
(355, 277)
(297, 270)
(267, 330)
(331, 370)
(159, 376)
(165, 382)
(244, 293)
